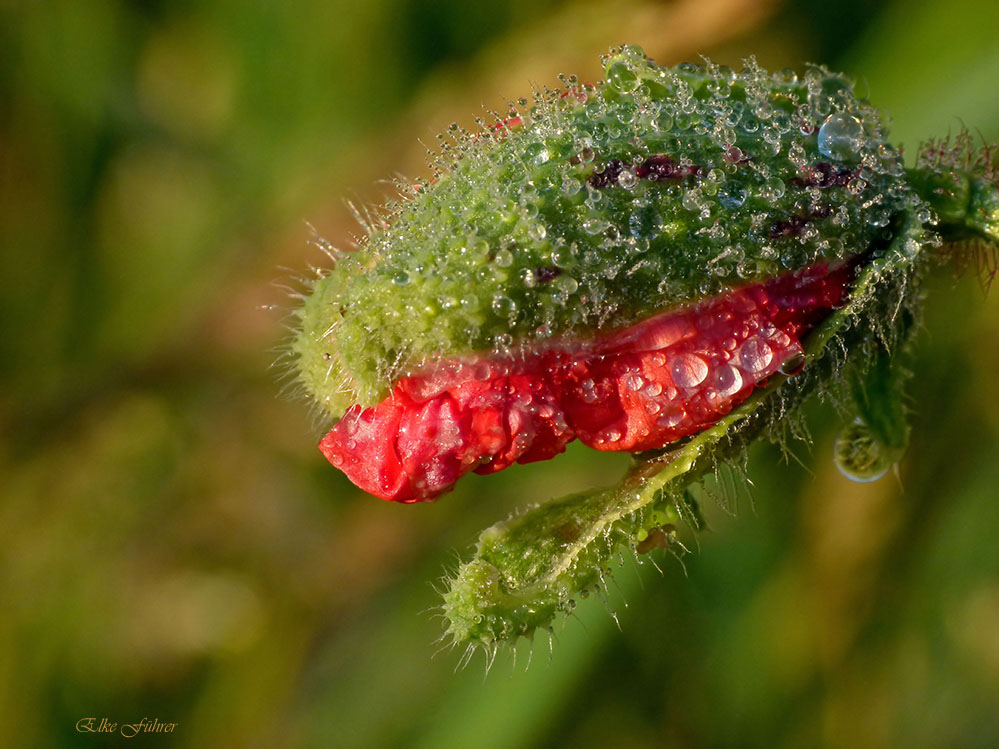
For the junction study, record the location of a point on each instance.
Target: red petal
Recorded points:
(637, 389)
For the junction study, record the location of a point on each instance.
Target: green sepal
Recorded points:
(529, 568)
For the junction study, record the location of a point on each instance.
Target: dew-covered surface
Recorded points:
(633, 390)
(596, 205)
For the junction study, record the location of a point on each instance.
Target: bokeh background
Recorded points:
(173, 545)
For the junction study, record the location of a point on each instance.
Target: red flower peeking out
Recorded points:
(636, 389)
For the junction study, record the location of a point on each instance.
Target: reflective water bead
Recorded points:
(503, 305)
(727, 381)
(732, 194)
(672, 417)
(566, 284)
(755, 355)
(504, 258)
(859, 455)
(840, 137)
(621, 77)
(537, 232)
(634, 382)
(688, 370)
(793, 364)
(627, 179)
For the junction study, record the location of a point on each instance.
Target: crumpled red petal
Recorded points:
(636, 389)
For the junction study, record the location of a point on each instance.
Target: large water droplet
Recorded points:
(726, 381)
(793, 364)
(840, 137)
(503, 305)
(621, 77)
(755, 355)
(634, 381)
(671, 417)
(566, 284)
(732, 194)
(627, 179)
(688, 370)
(859, 455)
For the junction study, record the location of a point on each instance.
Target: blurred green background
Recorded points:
(172, 545)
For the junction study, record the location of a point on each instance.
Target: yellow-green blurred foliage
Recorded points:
(173, 546)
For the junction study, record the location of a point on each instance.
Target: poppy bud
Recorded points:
(666, 263)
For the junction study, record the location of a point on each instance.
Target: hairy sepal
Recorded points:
(531, 567)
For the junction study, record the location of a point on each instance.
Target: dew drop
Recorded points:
(773, 188)
(688, 370)
(755, 355)
(627, 179)
(672, 417)
(566, 284)
(503, 305)
(401, 278)
(691, 200)
(621, 78)
(537, 232)
(732, 194)
(859, 455)
(840, 137)
(792, 365)
(726, 381)
(504, 258)
(634, 382)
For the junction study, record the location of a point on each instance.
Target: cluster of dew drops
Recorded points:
(546, 222)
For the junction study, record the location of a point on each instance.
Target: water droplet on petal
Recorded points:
(688, 370)
(727, 381)
(755, 355)
(671, 418)
(634, 382)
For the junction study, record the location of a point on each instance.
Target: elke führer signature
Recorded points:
(128, 730)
